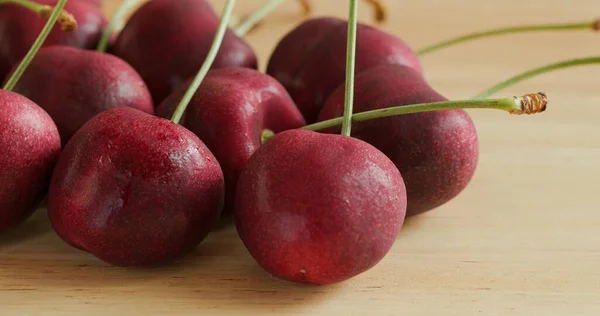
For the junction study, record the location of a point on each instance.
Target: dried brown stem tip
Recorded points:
(378, 7)
(306, 6)
(380, 11)
(65, 19)
(596, 25)
(532, 103)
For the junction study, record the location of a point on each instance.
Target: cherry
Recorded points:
(229, 112)
(167, 51)
(20, 23)
(436, 152)
(318, 208)
(30, 148)
(308, 62)
(30, 144)
(73, 85)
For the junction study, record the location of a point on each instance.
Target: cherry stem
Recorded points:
(586, 25)
(526, 104)
(14, 78)
(210, 57)
(350, 65)
(65, 19)
(116, 20)
(245, 26)
(538, 71)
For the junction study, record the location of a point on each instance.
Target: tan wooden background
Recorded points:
(523, 239)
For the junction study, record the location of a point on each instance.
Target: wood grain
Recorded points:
(522, 239)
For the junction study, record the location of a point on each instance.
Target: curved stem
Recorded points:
(210, 57)
(117, 18)
(350, 59)
(12, 81)
(586, 25)
(538, 71)
(242, 28)
(526, 104)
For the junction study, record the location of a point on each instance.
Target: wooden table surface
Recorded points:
(522, 239)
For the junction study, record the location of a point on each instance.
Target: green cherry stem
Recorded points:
(212, 54)
(350, 63)
(242, 28)
(586, 25)
(116, 20)
(65, 19)
(12, 81)
(526, 104)
(537, 71)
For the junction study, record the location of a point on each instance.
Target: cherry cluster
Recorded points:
(141, 138)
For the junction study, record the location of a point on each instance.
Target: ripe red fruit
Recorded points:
(229, 112)
(19, 27)
(167, 41)
(73, 85)
(30, 148)
(135, 189)
(318, 208)
(436, 152)
(312, 64)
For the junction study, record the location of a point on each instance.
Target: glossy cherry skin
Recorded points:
(295, 48)
(311, 76)
(135, 189)
(30, 146)
(73, 85)
(318, 208)
(19, 27)
(229, 112)
(436, 152)
(167, 51)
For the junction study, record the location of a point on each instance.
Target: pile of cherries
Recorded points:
(134, 178)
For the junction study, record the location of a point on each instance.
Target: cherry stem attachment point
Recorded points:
(37, 44)
(266, 134)
(538, 71)
(586, 25)
(114, 23)
(250, 22)
(527, 104)
(210, 57)
(350, 65)
(66, 20)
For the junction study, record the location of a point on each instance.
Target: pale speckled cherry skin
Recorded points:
(436, 152)
(167, 41)
(229, 112)
(323, 65)
(73, 85)
(318, 208)
(135, 189)
(19, 28)
(29, 149)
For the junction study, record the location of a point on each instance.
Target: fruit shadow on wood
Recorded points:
(34, 227)
(219, 269)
